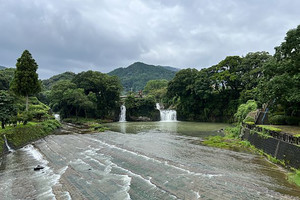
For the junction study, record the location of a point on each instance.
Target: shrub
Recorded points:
(249, 119)
(292, 120)
(244, 109)
(277, 119)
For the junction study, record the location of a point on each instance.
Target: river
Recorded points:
(154, 160)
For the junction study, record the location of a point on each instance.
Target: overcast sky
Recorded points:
(76, 35)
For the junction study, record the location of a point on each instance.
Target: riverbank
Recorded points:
(22, 135)
(232, 141)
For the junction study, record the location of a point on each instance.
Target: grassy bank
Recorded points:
(232, 141)
(23, 134)
(90, 123)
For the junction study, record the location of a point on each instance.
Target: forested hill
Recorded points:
(64, 76)
(2, 67)
(138, 74)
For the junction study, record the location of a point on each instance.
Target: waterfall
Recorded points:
(123, 114)
(7, 146)
(167, 115)
(57, 117)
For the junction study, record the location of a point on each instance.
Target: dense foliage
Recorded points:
(7, 108)
(88, 94)
(213, 94)
(141, 109)
(48, 83)
(157, 89)
(138, 74)
(6, 76)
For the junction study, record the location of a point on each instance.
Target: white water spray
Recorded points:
(57, 117)
(7, 146)
(167, 115)
(123, 114)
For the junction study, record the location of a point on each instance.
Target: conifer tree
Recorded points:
(26, 81)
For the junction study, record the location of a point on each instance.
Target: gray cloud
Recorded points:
(66, 35)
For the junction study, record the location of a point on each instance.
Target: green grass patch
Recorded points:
(23, 134)
(228, 142)
(97, 127)
(270, 128)
(294, 177)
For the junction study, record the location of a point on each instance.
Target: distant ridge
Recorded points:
(2, 67)
(135, 76)
(48, 83)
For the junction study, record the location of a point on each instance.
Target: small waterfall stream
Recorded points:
(167, 115)
(57, 117)
(7, 146)
(123, 114)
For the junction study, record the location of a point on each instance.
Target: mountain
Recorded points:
(171, 68)
(138, 74)
(54, 79)
(2, 67)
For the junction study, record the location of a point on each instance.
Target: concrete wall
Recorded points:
(279, 149)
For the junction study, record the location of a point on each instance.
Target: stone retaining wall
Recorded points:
(282, 150)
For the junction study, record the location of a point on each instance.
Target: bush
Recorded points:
(277, 119)
(249, 119)
(283, 120)
(244, 109)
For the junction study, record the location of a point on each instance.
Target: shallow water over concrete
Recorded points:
(140, 161)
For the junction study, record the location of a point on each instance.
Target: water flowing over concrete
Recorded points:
(157, 161)
(6, 144)
(123, 114)
(167, 115)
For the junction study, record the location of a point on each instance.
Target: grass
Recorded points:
(23, 134)
(231, 141)
(92, 124)
(270, 128)
(294, 177)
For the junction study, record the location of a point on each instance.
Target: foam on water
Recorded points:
(155, 160)
(48, 176)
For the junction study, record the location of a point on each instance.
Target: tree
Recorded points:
(281, 81)
(7, 108)
(106, 89)
(156, 88)
(25, 81)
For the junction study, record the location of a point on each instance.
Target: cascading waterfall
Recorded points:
(7, 146)
(57, 117)
(123, 114)
(167, 115)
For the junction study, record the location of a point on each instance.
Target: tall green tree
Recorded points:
(25, 81)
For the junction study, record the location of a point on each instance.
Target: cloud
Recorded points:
(65, 35)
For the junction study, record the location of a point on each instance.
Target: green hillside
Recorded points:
(2, 67)
(64, 76)
(138, 74)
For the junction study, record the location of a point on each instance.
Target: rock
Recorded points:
(37, 168)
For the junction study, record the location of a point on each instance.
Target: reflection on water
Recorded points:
(195, 129)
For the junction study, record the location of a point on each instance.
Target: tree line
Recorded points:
(213, 94)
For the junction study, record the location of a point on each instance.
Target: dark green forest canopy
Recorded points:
(6, 76)
(88, 94)
(137, 75)
(213, 94)
(48, 83)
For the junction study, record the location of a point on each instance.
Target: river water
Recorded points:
(140, 161)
